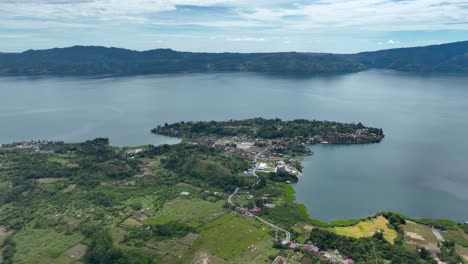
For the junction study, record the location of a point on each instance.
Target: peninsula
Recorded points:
(221, 195)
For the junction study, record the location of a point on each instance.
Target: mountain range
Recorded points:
(95, 60)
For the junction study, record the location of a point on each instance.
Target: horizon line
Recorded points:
(292, 51)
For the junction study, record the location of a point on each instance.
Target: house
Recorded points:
(247, 215)
(281, 167)
(262, 166)
(255, 209)
(185, 193)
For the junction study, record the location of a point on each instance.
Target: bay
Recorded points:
(420, 169)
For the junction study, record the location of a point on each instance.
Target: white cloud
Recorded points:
(319, 14)
(249, 39)
(15, 36)
(370, 15)
(391, 42)
(95, 9)
(284, 24)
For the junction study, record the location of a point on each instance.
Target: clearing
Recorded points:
(368, 228)
(418, 235)
(463, 251)
(50, 180)
(459, 236)
(77, 251)
(43, 245)
(419, 232)
(193, 212)
(230, 236)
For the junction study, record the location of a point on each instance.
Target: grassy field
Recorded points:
(230, 236)
(59, 159)
(458, 236)
(50, 180)
(367, 229)
(4, 187)
(463, 251)
(258, 254)
(43, 245)
(424, 231)
(193, 212)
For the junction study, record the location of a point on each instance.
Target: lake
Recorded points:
(420, 169)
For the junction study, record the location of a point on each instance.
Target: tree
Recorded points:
(9, 250)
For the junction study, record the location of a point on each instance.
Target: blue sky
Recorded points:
(232, 25)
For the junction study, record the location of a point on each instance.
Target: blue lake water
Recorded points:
(420, 169)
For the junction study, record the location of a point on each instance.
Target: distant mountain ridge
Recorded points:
(96, 60)
(451, 57)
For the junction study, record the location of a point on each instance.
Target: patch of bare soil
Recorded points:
(4, 231)
(415, 236)
(77, 251)
(202, 258)
(70, 188)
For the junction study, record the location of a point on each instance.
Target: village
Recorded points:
(286, 242)
(266, 160)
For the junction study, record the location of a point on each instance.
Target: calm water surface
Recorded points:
(420, 169)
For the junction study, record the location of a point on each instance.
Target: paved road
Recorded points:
(231, 195)
(256, 164)
(288, 234)
(334, 257)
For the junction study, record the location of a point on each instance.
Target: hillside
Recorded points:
(80, 60)
(94, 60)
(193, 202)
(452, 57)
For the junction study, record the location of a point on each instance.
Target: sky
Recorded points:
(336, 26)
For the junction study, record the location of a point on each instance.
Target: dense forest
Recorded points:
(451, 57)
(80, 60)
(93, 60)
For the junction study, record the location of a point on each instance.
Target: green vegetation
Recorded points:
(168, 204)
(81, 60)
(368, 228)
(373, 249)
(229, 236)
(458, 236)
(464, 227)
(193, 212)
(43, 245)
(102, 250)
(425, 232)
(448, 253)
(449, 57)
(9, 250)
(299, 131)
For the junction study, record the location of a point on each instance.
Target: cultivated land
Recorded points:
(368, 229)
(205, 200)
(463, 251)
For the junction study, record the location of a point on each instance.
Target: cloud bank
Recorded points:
(311, 22)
